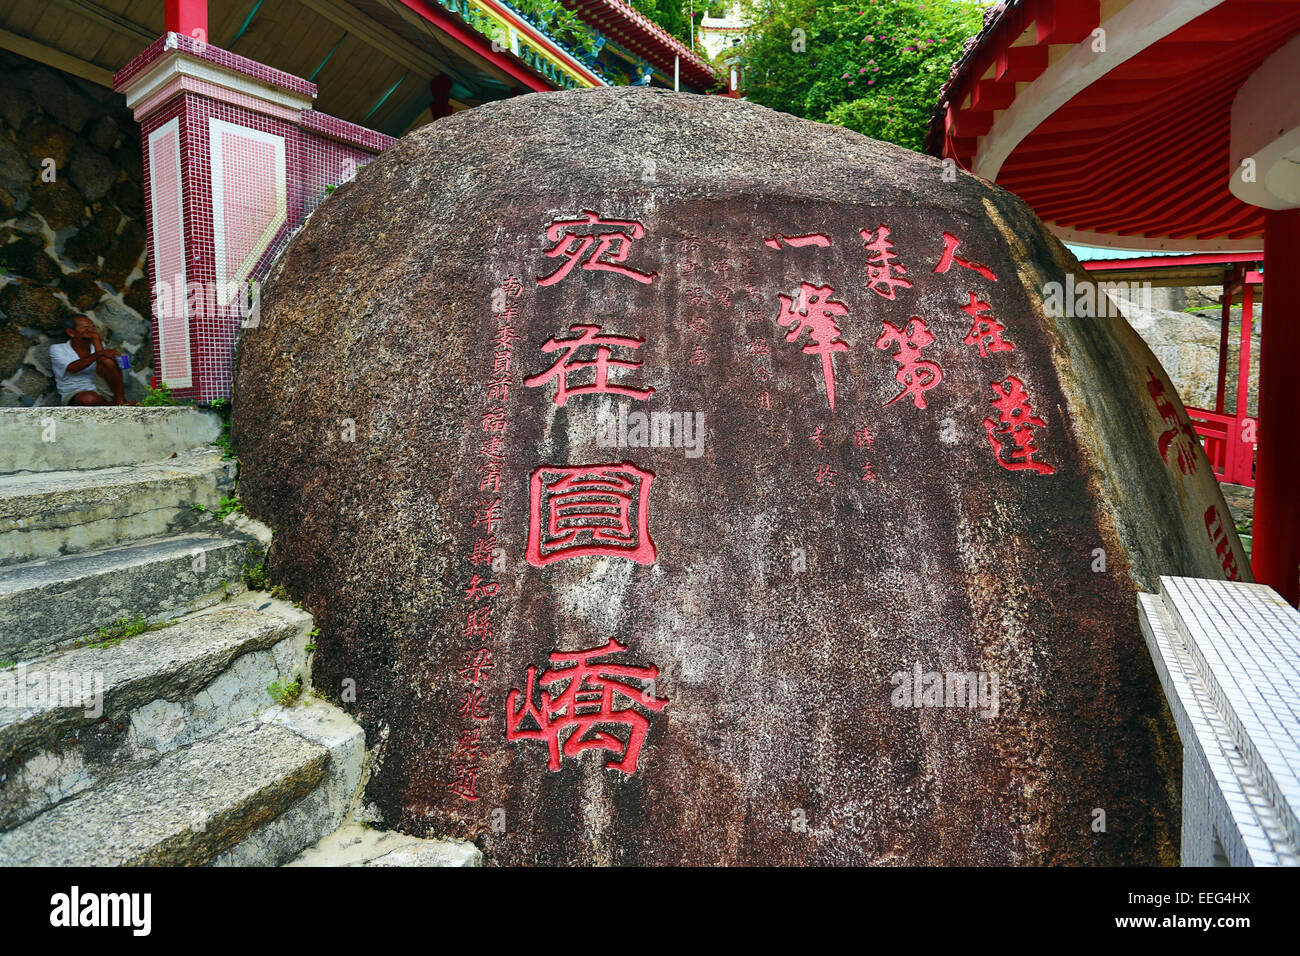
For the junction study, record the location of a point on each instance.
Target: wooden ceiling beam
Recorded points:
(25, 46)
(377, 36)
(107, 18)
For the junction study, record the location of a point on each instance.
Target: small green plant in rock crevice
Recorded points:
(110, 635)
(287, 693)
(222, 407)
(8, 665)
(258, 576)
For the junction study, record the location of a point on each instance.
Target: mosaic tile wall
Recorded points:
(251, 171)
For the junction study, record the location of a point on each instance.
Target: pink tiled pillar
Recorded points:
(234, 159)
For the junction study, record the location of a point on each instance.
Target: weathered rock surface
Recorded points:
(777, 584)
(1187, 345)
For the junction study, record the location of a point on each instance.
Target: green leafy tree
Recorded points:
(669, 14)
(561, 23)
(874, 66)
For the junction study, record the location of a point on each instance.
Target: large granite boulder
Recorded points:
(677, 481)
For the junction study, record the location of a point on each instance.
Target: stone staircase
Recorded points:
(165, 747)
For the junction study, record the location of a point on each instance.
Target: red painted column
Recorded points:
(187, 17)
(1276, 544)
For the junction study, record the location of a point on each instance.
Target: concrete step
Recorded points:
(323, 810)
(188, 808)
(45, 514)
(65, 439)
(51, 601)
(72, 719)
(355, 845)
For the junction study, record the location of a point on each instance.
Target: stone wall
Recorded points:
(72, 232)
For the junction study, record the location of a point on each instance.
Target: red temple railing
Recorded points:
(1224, 438)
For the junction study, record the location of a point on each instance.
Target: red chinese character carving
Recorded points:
(816, 311)
(765, 399)
(986, 331)
(826, 475)
(476, 664)
(916, 375)
(612, 239)
(1017, 421)
(1182, 433)
(723, 296)
(478, 589)
(810, 239)
(478, 624)
(698, 325)
(490, 470)
(862, 437)
(589, 335)
(482, 550)
(487, 512)
(468, 748)
(512, 286)
(471, 707)
(466, 776)
(699, 356)
(867, 473)
(817, 436)
(759, 347)
(494, 420)
(589, 510)
(504, 338)
(883, 271)
(1219, 538)
(493, 446)
(950, 244)
(568, 722)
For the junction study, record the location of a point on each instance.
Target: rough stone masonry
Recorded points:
(573, 644)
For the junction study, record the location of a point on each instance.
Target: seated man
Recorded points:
(77, 361)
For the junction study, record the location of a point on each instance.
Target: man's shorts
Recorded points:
(100, 387)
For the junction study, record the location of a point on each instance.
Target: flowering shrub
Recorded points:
(874, 66)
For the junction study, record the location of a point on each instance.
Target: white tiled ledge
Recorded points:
(1228, 657)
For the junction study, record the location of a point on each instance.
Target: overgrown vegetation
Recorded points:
(874, 66)
(287, 693)
(110, 635)
(158, 396)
